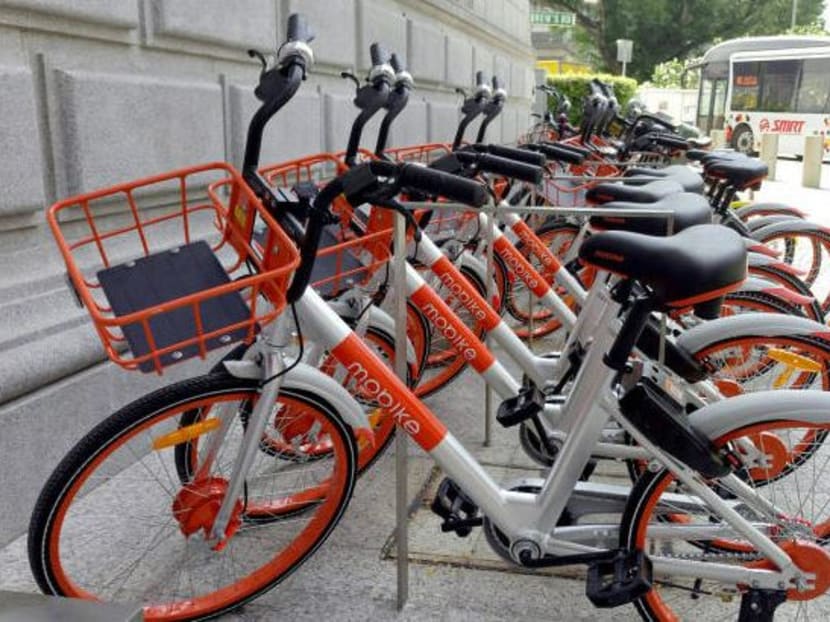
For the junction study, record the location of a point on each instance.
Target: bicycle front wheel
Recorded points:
(117, 521)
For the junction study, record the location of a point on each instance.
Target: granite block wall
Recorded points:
(93, 92)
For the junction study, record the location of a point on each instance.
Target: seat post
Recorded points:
(635, 321)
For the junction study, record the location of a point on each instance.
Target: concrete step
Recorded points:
(23, 319)
(39, 428)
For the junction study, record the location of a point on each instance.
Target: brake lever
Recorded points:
(260, 57)
(395, 206)
(350, 76)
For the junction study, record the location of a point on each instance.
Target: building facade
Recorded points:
(93, 92)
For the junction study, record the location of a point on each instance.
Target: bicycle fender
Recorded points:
(304, 377)
(765, 221)
(788, 226)
(382, 321)
(722, 417)
(768, 208)
(748, 325)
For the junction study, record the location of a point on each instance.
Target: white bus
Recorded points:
(784, 92)
(767, 84)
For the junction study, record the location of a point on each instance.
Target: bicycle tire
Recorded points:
(58, 560)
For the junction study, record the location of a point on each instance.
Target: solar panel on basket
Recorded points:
(166, 265)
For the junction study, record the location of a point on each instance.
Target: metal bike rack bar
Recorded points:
(558, 211)
(401, 445)
(489, 273)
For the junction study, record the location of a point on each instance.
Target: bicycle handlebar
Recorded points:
(511, 153)
(378, 55)
(298, 29)
(381, 181)
(502, 166)
(443, 184)
(278, 85)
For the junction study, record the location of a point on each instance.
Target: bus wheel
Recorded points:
(743, 140)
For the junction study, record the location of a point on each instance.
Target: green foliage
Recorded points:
(576, 87)
(818, 28)
(670, 75)
(666, 29)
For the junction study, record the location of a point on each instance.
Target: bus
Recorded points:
(767, 84)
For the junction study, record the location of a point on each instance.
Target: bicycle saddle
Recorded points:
(739, 173)
(686, 177)
(650, 192)
(689, 210)
(697, 265)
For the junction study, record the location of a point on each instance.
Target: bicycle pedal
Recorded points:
(460, 514)
(619, 579)
(529, 402)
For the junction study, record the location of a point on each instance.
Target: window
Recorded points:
(745, 80)
(814, 91)
(778, 85)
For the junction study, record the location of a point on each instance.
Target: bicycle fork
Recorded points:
(273, 367)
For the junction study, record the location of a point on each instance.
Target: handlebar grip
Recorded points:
(443, 184)
(397, 64)
(378, 54)
(480, 79)
(520, 155)
(496, 83)
(298, 28)
(510, 168)
(554, 152)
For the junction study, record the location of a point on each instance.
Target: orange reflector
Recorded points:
(796, 361)
(186, 433)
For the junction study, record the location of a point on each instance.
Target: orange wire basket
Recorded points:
(351, 250)
(174, 265)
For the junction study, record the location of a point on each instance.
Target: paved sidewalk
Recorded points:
(788, 189)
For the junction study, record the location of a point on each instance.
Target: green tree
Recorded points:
(666, 29)
(673, 74)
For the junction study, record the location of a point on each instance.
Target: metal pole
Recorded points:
(623, 71)
(488, 392)
(401, 497)
(795, 14)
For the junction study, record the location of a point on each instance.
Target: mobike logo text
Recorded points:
(460, 293)
(371, 389)
(781, 126)
(514, 261)
(450, 332)
(538, 249)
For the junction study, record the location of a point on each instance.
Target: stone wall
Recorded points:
(93, 92)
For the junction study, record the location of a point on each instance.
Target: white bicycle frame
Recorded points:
(529, 520)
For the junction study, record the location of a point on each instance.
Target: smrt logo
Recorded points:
(781, 126)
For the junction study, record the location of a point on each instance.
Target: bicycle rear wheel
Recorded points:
(802, 527)
(116, 521)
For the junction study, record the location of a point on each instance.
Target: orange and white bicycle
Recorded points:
(190, 515)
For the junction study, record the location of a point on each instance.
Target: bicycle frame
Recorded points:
(526, 517)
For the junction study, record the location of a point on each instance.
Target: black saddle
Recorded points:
(686, 177)
(650, 192)
(689, 210)
(698, 265)
(740, 173)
